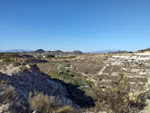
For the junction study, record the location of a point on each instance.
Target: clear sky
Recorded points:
(86, 25)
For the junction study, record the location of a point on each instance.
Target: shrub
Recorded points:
(66, 61)
(41, 71)
(15, 64)
(8, 95)
(2, 81)
(66, 65)
(86, 72)
(66, 109)
(100, 79)
(43, 103)
(23, 68)
(50, 56)
(48, 104)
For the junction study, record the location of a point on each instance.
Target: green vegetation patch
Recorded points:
(6, 59)
(53, 73)
(15, 64)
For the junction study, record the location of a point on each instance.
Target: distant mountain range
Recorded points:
(24, 50)
(104, 51)
(16, 50)
(41, 51)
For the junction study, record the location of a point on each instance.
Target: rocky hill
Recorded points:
(57, 53)
(29, 79)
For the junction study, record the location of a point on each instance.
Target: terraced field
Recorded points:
(104, 69)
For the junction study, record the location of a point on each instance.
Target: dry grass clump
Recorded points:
(9, 95)
(48, 104)
(10, 101)
(66, 109)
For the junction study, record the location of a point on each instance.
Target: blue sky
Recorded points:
(86, 25)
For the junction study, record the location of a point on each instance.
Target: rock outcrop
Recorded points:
(29, 79)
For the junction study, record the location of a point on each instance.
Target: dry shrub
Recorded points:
(9, 95)
(15, 64)
(66, 109)
(48, 104)
(10, 100)
(2, 82)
